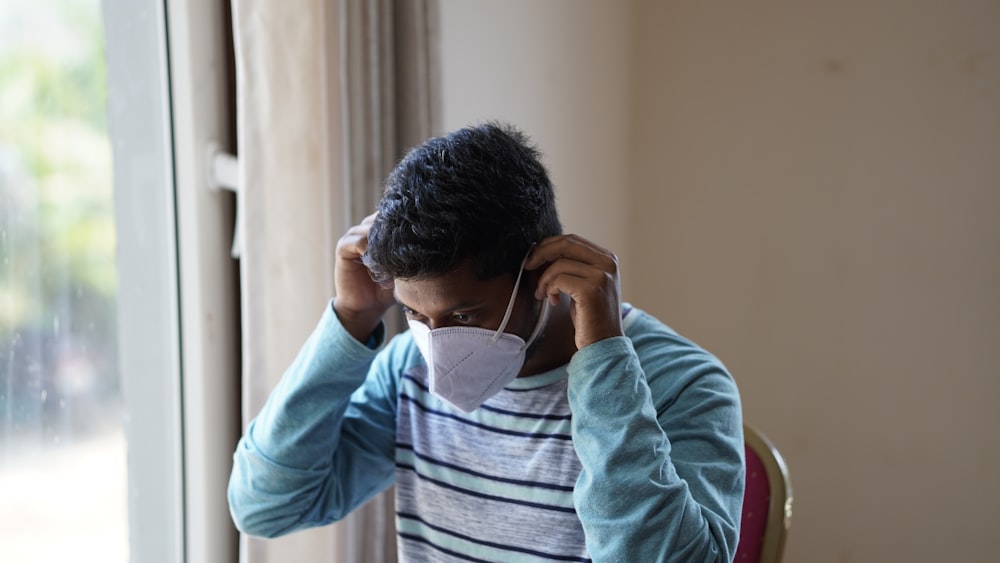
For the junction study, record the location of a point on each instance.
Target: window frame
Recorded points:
(139, 123)
(170, 100)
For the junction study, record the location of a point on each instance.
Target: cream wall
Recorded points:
(813, 193)
(828, 177)
(555, 70)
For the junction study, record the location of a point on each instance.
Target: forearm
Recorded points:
(631, 499)
(289, 468)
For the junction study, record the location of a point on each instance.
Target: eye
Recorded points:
(462, 318)
(410, 313)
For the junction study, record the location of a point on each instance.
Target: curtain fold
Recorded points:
(289, 151)
(329, 96)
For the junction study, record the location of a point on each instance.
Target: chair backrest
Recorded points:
(767, 502)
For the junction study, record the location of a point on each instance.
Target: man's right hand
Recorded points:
(360, 302)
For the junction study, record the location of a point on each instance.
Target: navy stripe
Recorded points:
(526, 414)
(486, 476)
(425, 541)
(416, 381)
(486, 543)
(477, 494)
(502, 411)
(463, 420)
(528, 389)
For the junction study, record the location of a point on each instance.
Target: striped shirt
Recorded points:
(492, 485)
(631, 452)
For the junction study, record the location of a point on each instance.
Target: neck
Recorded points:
(556, 344)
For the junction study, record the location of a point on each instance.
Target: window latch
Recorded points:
(223, 174)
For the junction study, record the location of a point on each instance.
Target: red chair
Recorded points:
(767, 502)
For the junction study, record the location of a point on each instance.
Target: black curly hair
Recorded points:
(478, 195)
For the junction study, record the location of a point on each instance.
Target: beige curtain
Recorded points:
(329, 94)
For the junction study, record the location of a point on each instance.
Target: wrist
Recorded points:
(361, 325)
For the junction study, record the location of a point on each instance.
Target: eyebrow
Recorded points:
(463, 306)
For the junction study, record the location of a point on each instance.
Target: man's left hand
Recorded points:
(588, 274)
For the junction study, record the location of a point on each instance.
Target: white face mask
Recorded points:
(467, 365)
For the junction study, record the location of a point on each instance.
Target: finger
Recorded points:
(571, 240)
(576, 284)
(595, 307)
(601, 271)
(588, 243)
(571, 247)
(565, 267)
(590, 297)
(353, 244)
(361, 229)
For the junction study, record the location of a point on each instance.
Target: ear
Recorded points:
(529, 283)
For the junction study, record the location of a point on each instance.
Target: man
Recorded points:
(528, 415)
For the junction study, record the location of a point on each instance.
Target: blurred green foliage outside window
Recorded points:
(59, 381)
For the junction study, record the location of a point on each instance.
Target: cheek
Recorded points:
(525, 315)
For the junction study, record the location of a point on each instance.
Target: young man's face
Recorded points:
(459, 298)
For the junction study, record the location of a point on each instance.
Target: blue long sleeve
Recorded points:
(656, 426)
(319, 454)
(661, 447)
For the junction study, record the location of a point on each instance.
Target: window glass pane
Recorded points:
(62, 447)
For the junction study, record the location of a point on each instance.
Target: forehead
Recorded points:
(458, 289)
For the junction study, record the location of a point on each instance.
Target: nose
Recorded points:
(431, 324)
(439, 323)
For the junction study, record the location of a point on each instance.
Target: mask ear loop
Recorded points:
(513, 298)
(543, 316)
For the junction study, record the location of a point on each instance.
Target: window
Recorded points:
(62, 459)
(91, 449)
